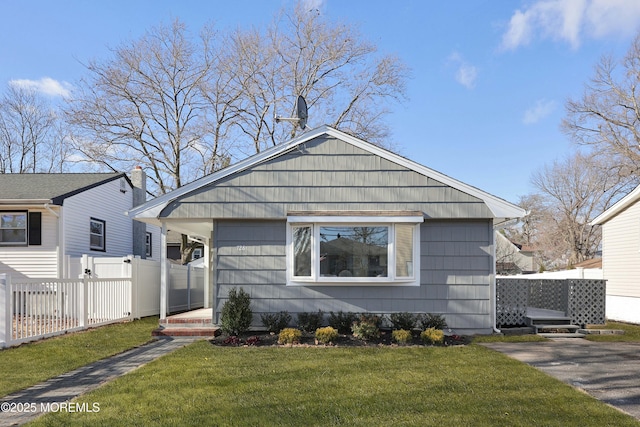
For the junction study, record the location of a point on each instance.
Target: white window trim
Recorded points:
(315, 222)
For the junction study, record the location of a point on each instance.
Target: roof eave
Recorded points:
(617, 208)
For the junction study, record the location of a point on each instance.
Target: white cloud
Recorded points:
(466, 74)
(571, 21)
(313, 4)
(539, 111)
(45, 85)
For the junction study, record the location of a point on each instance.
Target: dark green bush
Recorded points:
(275, 322)
(429, 320)
(406, 321)
(236, 315)
(342, 321)
(309, 322)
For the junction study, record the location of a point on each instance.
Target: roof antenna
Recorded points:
(301, 114)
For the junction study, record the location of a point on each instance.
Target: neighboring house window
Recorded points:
(197, 253)
(97, 234)
(13, 228)
(365, 251)
(148, 244)
(20, 228)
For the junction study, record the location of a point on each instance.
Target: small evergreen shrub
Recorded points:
(289, 336)
(429, 320)
(236, 314)
(367, 327)
(406, 321)
(275, 322)
(309, 322)
(342, 321)
(370, 318)
(432, 336)
(326, 335)
(401, 336)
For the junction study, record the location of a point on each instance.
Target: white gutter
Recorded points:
(47, 207)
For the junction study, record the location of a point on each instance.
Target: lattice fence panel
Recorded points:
(587, 301)
(511, 301)
(548, 294)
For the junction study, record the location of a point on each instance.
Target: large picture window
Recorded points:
(326, 251)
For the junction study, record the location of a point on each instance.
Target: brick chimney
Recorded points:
(139, 232)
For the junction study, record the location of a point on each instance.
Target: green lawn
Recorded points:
(33, 363)
(631, 333)
(376, 386)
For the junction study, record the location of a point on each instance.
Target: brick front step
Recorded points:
(185, 320)
(186, 331)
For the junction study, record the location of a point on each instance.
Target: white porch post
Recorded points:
(6, 322)
(207, 272)
(164, 272)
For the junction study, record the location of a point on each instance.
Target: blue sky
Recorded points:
(489, 78)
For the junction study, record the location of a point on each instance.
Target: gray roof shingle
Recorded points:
(54, 187)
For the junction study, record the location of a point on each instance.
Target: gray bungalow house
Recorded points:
(329, 222)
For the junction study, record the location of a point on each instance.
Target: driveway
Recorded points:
(609, 372)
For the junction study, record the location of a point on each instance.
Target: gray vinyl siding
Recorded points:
(325, 174)
(455, 258)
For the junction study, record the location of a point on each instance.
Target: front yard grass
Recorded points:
(631, 333)
(204, 384)
(32, 363)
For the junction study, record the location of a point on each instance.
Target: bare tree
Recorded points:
(345, 81)
(575, 191)
(607, 116)
(32, 138)
(147, 106)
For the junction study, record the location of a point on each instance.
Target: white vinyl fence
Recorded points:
(104, 290)
(36, 308)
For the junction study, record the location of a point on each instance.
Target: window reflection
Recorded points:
(353, 251)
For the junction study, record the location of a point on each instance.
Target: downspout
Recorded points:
(494, 311)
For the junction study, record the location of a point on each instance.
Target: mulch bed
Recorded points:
(265, 339)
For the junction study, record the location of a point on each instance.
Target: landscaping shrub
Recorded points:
(367, 327)
(401, 336)
(289, 336)
(429, 320)
(326, 335)
(406, 321)
(309, 322)
(236, 315)
(432, 336)
(275, 322)
(342, 321)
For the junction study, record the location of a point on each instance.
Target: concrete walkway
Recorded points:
(609, 372)
(26, 405)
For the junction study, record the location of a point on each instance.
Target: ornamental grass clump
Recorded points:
(401, 336)
(432, 336)
(289, 336)
(326, 335)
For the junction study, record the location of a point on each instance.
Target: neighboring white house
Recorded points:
(621, 257)
(46, 218)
